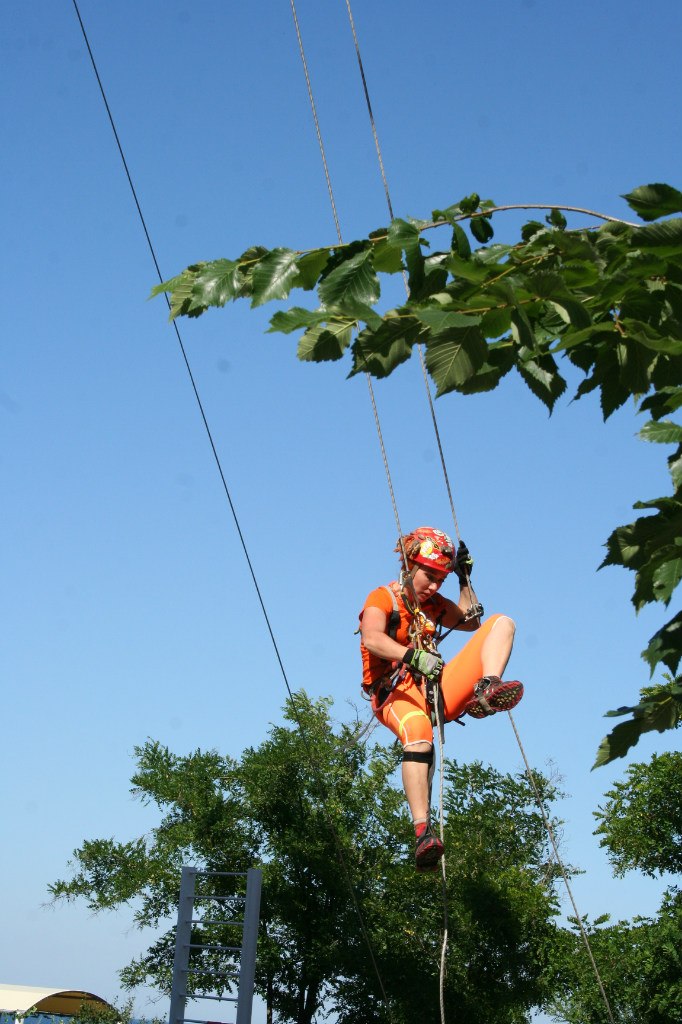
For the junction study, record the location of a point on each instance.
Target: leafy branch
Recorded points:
(608, 299)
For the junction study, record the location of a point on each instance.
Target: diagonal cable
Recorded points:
(184, 354)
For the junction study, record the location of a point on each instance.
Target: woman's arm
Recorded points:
(454, 614)
(375, 637)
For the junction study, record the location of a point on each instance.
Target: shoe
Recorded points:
(428, 851)
(491, 695)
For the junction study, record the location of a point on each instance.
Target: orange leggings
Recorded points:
(405, 712)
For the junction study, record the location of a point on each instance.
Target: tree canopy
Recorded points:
(320, 815)
(640, 961)
(607, 299)
(640, 824)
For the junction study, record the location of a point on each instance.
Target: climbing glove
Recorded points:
(464, 563)
(428, 665)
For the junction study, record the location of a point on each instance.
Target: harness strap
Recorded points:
(394, 618)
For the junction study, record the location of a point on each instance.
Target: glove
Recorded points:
(464, 563)
(425, 664)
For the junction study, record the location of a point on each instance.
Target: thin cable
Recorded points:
(550, 832)
(184, 356)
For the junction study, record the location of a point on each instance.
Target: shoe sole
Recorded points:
(505, 697)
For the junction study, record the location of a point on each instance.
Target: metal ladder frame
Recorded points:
(184, 945)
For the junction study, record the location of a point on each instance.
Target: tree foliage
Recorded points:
(640, 966)
(607, 299)
(641, 823)
(321, 817)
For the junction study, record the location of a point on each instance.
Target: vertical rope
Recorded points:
(456, 525)
(564, 874)
(332, 201)
(444, 880)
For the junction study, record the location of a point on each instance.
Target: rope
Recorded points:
(444, 880)
(446, 478)
(306, 740)
(454, 517)
(325, 165)
(550, 832)
(387, 193)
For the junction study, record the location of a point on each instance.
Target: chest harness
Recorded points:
(423, 634)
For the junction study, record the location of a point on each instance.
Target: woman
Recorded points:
(398, 625)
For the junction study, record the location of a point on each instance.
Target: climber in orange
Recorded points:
(399, 626)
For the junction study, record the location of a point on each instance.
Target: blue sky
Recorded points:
(127, 603)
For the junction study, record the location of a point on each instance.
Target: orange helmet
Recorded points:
(428, 547)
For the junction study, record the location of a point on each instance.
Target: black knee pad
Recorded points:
(422, 756)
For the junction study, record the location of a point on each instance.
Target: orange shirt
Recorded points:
(374, 667)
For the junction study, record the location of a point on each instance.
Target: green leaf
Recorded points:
(531, 229)
(217, 282)
(542, 377)
(675, 467)
(492, 256)
(379, 352)
(466, 270)
(666, 577)
(293, 319)
(440, 319)
(388, 259)
(499, 361)
(666, 645)
(635, 361)
(170, 285)
(182, 302)
(666, 400)
(273, 276)
(481, 229)
(659, 711)
(454, 356)
(325, 343)
(522, 331)
(310, 265)
(654, 201)
(496, 322)
(460, 242)
(661, 431)
(352, 281)
(663, 238)
(359, 311)
(403, 235)
(470, 203)
(557, 219)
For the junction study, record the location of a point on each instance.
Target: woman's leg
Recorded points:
(486, 654)
(406, 715)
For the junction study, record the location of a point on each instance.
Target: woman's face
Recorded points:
(427, 582)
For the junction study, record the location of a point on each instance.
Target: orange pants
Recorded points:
(405, 712)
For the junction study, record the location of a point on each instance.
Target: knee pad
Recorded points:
(422, 756)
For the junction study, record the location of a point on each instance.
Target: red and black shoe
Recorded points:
(492, 695)
(428, 851)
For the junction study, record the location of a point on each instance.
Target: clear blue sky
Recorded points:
(127, 604)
